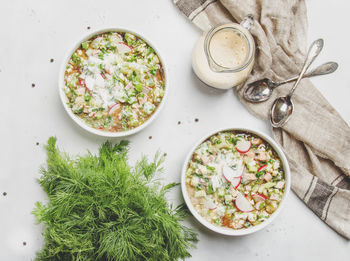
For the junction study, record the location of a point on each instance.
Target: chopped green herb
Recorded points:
(100, 66)
(260, 173)
(210, 189)
(211, 168)
(138, 87)
(133, 58)
(271, 161)
(234, 141)
(85, 45)
(153, 71)
(79, 111)
(75, 58)
(198, 161)
(199, 186)
(150, 50)
(109, 46)
(87, 97)
(217, 221)
(130, 39)
(201, 176)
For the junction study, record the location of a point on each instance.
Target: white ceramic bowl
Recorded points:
(80, 121)
(230, 231)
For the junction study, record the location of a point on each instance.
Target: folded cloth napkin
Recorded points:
(316, 139)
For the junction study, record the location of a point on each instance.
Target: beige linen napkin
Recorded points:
(316, 139)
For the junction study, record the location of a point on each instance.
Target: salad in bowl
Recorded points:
(113, 83)
(234, 181)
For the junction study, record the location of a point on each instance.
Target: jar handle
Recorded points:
(247, 22)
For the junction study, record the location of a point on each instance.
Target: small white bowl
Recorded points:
(80, 121)
(226, 230)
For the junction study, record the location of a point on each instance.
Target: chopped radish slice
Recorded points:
(210, 204)
(261, 168)
(243, 204)
(236, 182)
(123, 48)
(258, 197)
(243, 146)
(230, 173)
(114, 107)
(82, 83)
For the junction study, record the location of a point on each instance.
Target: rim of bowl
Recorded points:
(80, 121)
(225, 230)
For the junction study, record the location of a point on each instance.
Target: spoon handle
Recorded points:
(313, 52)
(323, 69)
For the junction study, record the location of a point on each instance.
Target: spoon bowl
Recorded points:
(281, 110)
(261, 90)
(282, 107)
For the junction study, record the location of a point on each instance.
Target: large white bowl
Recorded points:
(230, 231)
(80, 121)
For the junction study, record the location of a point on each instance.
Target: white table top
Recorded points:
(33, 32)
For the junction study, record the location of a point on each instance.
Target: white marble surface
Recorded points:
(33, 32)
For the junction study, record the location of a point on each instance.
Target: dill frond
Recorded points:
(100, 208)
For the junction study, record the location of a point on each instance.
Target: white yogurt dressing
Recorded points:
(97, 83)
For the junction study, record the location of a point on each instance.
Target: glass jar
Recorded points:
(223, 57)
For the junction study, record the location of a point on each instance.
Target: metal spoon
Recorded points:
(282, 108)
(261, 90)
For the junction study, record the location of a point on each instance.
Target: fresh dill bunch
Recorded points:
(100, 208)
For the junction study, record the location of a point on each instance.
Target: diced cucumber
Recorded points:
(266, 186)
(252, 168)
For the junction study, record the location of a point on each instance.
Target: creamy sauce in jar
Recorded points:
(228, 48)
(229, 58)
